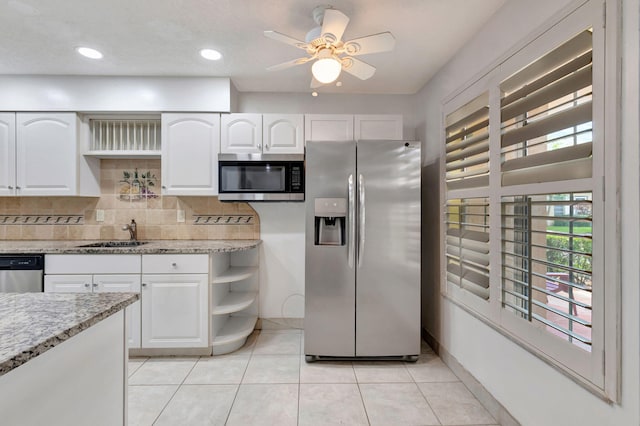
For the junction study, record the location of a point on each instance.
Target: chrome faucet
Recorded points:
(133, 230)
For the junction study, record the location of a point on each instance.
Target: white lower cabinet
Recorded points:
(123, 284)
(173, 308)
(107, 283)
(234, 298)
(175, 296)
(174, 311)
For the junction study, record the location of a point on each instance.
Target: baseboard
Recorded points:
(170, 352)
(493, 406)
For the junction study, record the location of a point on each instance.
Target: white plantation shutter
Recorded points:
(547, 136)
(467, 219)
(467, 145)
(546, 115)
(467, 245)
(547, 262)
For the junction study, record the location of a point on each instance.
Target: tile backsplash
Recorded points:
(130, 189)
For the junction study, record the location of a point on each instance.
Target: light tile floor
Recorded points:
(268, 382)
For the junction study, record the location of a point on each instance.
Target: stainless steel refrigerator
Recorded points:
(362, 266)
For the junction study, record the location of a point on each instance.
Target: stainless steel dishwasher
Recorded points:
(21, 273)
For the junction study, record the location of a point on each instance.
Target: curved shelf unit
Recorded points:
(233, 334)
(235, 273)
(235, 301)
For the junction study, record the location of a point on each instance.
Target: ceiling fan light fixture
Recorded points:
(326, 70)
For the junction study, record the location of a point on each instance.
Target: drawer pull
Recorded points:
(174, 265)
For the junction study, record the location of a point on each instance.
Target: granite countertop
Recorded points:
(33, 323)
(152, 247)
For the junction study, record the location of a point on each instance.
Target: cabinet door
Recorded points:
(68, 283)
(190, 146)
(328, 127)
(241, 133)
(283, 133)
(174, 311)
(378, 127)
(46, 153)
(7, 153)
(123, 284)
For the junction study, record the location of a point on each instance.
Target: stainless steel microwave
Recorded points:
(261, 177)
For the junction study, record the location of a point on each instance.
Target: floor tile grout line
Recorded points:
(176, 391)
(253, 345)
(364, 407)
(428, 403)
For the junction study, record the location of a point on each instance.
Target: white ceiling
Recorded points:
(163, 38)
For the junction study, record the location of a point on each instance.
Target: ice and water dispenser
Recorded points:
(330, 218)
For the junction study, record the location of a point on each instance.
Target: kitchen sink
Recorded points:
(112, 244)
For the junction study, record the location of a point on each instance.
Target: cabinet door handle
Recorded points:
(10, 187)
(174, 265)
(164, 187)
(144, 284)
(259, 146)
(266, 147)
(17, 187)
(95, 285)
(86, 285)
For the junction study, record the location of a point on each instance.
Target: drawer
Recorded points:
(175, 264)
(92, 264)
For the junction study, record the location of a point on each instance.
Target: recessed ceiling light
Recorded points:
(89, 52)
(314, 93)
(210, 54)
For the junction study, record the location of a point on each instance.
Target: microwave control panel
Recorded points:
(297, 184)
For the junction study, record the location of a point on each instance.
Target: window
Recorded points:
(524, 203)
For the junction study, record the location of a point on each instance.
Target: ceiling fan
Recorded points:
(323, 44)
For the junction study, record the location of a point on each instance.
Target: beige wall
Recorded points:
(155, 216)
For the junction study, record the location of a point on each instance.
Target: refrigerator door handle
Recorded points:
(361, 219)
(351, 222)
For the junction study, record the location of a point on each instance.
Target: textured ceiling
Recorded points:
(163, 38)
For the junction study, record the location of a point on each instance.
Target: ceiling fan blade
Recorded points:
(315, 83)
(333, 25)
(357, 68)
(274, 35)
(288, 64)
(375, 43)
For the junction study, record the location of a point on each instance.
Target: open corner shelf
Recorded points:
(233, 334)
(235, 301)
(235, 273)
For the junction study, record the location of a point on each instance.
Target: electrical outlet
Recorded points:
(99, 215)
(180, 216)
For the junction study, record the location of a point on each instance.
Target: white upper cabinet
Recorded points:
(283, 133)
(241, 133)
(190, 145)
(46, 154)
(378, 127)
(328, 127)
(7, 153)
